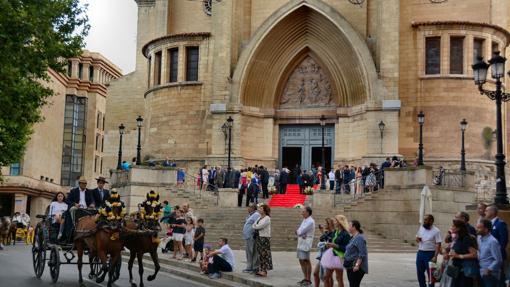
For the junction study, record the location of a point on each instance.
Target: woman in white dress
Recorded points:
(57, 209)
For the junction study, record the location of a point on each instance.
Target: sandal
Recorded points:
(261, 274)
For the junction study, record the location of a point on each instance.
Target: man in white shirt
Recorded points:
(429, 245)
(222, 260)
(331, 177)
(305, 235)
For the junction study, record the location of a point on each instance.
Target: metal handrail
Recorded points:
(193, 180)
(353, 184)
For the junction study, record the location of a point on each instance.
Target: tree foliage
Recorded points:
(35, 36)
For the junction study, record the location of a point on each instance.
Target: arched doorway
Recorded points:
(304, 61)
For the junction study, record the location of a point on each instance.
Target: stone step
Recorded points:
(186, 273)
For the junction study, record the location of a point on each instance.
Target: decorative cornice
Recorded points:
(174, 38)
(463, 23)
(145, 2)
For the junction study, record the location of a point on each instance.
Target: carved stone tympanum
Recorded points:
(308, 87)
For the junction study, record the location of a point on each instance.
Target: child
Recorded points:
(204, 262)
(198, 244)
(179, 227)
(188, 237)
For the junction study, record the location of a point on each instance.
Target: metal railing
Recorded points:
(191, 180)
(448, 178)
(357, 188)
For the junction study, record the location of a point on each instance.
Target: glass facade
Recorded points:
(74, 139)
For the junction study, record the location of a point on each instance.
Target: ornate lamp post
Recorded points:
(463, 127)
(323, 154)
(229, 124)
(121, 133)
(382, 125)
(139, 122)
(497, 64)
(421, 121)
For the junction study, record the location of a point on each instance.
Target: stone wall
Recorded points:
(394, 212)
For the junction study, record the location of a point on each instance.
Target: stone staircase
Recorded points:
(228, 222)
(197, 199)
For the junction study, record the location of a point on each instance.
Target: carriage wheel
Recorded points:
(54, 264)
(38, 252)
(96, 267)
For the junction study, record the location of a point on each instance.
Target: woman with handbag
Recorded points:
(356, 255)
(263, 240)
(326, 236)
(464, 266)
(333, 258)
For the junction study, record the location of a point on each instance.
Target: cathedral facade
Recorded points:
(277, 66)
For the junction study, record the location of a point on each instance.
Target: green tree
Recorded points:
(35, 36)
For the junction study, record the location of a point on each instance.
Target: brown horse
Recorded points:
(5, 229)
(84, 236)
(140, 242)
(108, 242)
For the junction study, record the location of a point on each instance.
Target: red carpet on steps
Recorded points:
(290, 199)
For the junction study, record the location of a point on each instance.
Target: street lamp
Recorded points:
(121, 133)
(463, 127)
(229, 124)
(421, 121)
(497, 64)
(139, 122)
(381, 129)
(323, 155)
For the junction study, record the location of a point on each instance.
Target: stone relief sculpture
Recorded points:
(307, 87)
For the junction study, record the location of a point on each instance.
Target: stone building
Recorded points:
(276, 66)
(68, 142)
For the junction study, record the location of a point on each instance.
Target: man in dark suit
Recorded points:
(78, 197)
(100, 193)
(264, 180)
(499, 231)
(284, 178)
(81, 197)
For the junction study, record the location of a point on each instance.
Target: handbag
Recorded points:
(256, 234)
(452, 271)
(330, 261)
(349, 264)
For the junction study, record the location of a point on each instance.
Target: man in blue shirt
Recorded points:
(252, 262)
(499, 231)
(489, 255)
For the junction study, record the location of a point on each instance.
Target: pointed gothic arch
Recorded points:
(299, 26)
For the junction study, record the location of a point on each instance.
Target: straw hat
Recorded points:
(82, 179)
(101, 178)
(342, 220)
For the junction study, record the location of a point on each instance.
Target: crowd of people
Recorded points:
(341, 247)
(472, 255)
(257, 182)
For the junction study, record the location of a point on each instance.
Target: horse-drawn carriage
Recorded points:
(47, 249)
(103, 235)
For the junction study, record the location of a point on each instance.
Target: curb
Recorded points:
(191, 272)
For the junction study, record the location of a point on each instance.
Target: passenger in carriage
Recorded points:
(78, 198)
(57, 209)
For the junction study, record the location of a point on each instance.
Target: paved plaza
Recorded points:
(386, 269)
